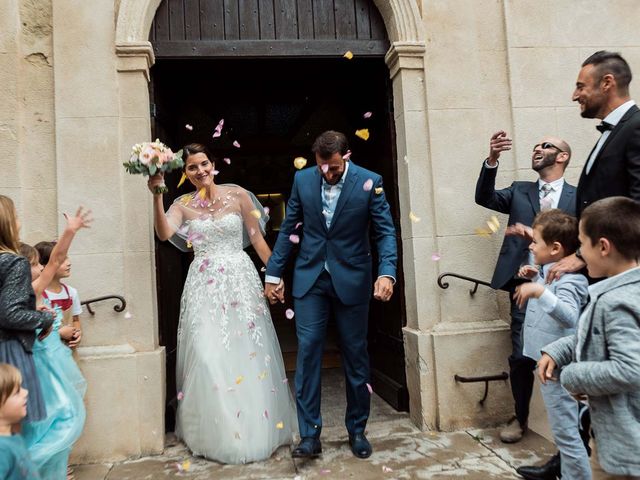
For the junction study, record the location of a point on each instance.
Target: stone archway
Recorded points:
(405, 60)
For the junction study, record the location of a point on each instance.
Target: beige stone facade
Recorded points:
(74, 98)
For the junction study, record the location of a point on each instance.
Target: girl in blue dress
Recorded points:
(50, 440)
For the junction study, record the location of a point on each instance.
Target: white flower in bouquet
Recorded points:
(150, 158)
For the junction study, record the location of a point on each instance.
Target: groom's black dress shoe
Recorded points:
(308, 447)
(360, 446)
(548, 471)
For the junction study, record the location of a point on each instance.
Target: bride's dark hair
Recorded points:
(194, 148)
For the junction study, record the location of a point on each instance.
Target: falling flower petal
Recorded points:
(493, 223)
(263, 269)
(368, 185)
(413, 217)
(348, 55)
(252, 355)
(346, 156)
(266, 414)
(262, 375)
(238, 414)
(285, 380)
(379, 190)
(325, 168)
(435, 257)
(367, 115)
(237, 435)
(128, 315)
(280, 425)
(299, 162)
(227, 161)
(370, 389)
(180, 396)
(325, 471)
(216, 134)
(236, 144)
(182, 180)
(188, 127)
(406, 160)
(266, 210)
(289, 313)
(215, 172)
(386, 469)
(363, 133)
(256, 213)
(239, 380)
(483, 232)
(293, 238)
(298, 225)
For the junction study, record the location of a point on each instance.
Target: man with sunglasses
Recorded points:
(613, 166)
(522, 200)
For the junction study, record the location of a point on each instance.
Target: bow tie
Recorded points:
(604, 126)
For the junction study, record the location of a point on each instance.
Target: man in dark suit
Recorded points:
(613, 166)
(337, 204)
(522, 201)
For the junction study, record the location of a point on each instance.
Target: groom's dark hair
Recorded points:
(329, 143)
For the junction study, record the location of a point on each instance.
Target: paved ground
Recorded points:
(401, 451)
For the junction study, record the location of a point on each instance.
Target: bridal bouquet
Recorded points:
(150, 158)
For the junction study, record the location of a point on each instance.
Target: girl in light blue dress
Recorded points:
(63, 387)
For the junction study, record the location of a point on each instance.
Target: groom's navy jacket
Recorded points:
(344, 246)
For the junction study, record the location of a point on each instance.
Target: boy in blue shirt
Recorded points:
(552, 313)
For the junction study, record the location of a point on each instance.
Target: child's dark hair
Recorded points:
(30, 253)
(10, 381)
(44, 250)
(558, 226)
(618, 220)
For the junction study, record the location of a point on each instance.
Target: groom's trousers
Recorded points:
(312, 316)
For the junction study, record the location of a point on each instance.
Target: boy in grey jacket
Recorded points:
(552, 313)
(602, 360)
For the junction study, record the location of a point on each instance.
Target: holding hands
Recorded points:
(499, 143)
(274, 292)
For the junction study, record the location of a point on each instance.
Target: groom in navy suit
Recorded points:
(338, 204)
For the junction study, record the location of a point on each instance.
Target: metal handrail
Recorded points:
(477, 282)
(118, 308)
(486, 379)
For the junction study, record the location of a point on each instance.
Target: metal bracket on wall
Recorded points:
(486, 379)
(472, 292)
(118, 308)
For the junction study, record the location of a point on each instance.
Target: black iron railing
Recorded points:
(476, 282)
(118, 308)
(486, 379)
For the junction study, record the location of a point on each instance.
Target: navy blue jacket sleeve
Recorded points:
(384, 232)
(487, 195)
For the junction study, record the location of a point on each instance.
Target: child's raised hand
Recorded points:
(528, 271)
(82, 219)
(546, 366)
(526, 291)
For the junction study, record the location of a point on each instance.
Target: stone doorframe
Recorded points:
(405, 60)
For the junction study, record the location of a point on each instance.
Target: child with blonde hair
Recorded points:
(15, 463)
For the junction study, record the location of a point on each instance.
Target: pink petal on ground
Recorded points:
(188, 127)
(370, 389)
(227, 161)
(293, 238)
(325, 471)
(368, 185)
(127, 315)
(367, 115)
(386, 469)
(289, 313)
(236, 144)
(435, 256)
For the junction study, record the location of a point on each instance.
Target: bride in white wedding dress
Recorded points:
(234, 402)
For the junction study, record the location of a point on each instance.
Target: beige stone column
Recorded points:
(101, 109)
